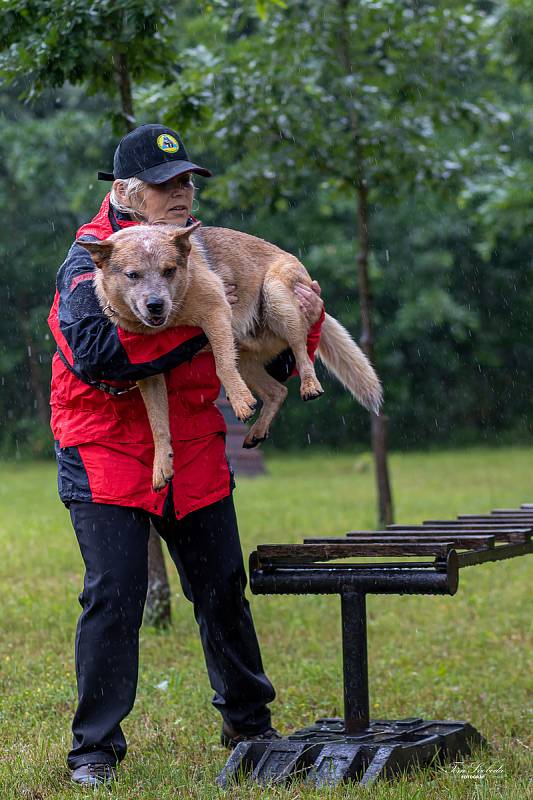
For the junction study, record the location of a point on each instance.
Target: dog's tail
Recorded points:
(348, 363)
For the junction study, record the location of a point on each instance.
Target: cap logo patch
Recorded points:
(167, 143)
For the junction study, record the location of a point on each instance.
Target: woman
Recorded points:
(104, 450)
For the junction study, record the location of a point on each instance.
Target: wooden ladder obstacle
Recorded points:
(355, 747)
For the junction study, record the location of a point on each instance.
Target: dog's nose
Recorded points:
(154, 306)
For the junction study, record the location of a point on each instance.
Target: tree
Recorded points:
(349, 93)
(103, 46)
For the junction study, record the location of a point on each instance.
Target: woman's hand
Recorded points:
(308, 297)
(310, 301)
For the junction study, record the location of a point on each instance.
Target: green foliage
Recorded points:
(45, 196)
(50, 42)
(501, 193)
(515, 21)
(338, 91)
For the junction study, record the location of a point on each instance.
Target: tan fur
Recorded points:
(265, 321)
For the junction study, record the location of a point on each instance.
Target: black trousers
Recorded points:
(206, 550)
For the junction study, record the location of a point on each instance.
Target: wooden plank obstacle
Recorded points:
(355, 747)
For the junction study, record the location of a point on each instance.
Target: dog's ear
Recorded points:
(182, 234)
(100, 251)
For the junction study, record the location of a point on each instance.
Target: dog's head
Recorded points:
(143, 271)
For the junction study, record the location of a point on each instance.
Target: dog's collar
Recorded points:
(108, 310)
(103, 387)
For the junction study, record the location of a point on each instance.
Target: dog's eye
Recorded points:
(133, 276)
(169, 273)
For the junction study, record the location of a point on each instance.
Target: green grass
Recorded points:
(466, 657)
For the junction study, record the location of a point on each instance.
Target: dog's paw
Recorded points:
(163, 471)
(310, 389)
(253, 440)
(243, 405)
(244, 412)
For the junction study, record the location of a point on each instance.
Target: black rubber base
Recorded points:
(324, 754)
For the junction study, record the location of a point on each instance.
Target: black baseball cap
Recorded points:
(152, 153)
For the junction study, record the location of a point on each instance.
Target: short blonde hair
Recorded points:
(133, 189)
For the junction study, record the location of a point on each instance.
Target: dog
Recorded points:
(152, 277)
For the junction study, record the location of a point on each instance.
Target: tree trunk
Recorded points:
(124, 87)
(378, 429)
(157, 610)
(42, 407)
(378, 423)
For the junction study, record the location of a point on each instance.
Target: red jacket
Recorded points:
(103, 439)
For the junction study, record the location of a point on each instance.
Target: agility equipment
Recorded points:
(357, 748)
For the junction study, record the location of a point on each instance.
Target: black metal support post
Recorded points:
(355, 662)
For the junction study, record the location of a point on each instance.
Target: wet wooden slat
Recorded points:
(504, 528)
(520, 518)
(454, 524)
(294, 553)
(460, 541)
(502, 533)
(511, 511)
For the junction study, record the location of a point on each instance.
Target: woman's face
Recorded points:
(167, 203)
